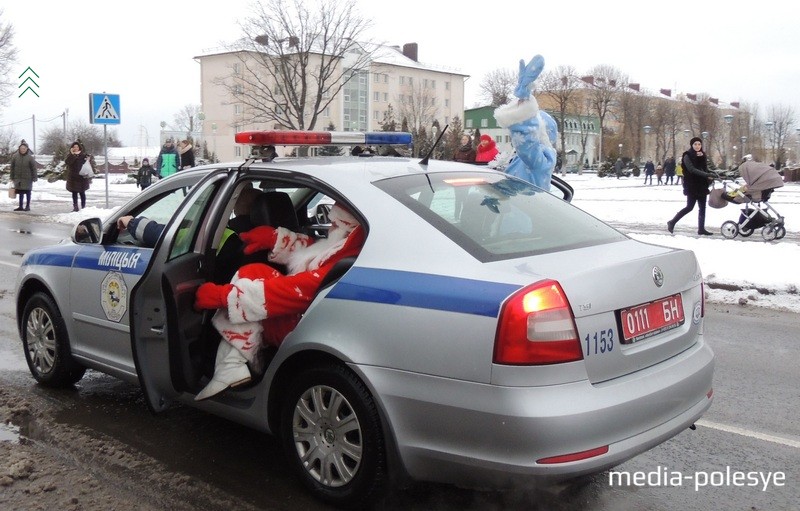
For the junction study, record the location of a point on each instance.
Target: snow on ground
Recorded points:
(749, 264)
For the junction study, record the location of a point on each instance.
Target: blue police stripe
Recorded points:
(129, 260)
(422, 290)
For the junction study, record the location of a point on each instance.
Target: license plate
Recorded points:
(651, 319)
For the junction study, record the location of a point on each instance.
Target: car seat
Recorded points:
(274, 209)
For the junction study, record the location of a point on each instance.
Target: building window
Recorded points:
(425, 83)
(386, 97)
(327, 112)
(376, 78)
(402, 80)
(237, 151)
(484, 123)
(469, 123)
(237, 89)
(446, 119)
(447, 103)
(446, 85)
(433, 84)
(237, 109)
(410, 80)
(375, 115)
(237, 69)
(385, 78)
(376, 96)
(347, 97)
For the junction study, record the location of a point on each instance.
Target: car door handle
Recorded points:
(157, 329)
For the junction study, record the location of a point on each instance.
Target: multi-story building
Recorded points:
(420, 93)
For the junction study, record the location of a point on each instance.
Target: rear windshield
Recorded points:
(494, 216)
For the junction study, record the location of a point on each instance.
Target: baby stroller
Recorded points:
(760, 181)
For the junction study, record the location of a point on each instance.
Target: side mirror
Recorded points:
(89, 231)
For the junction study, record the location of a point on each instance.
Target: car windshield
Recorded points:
(494, 216)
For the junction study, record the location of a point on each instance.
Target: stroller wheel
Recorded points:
(730, 229)
(745, 231)
(780, 232)
(769, 233)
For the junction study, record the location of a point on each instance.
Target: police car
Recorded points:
(488, 332)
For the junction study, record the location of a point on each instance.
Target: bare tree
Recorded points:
(186, 119)
(604, 82)
(562, 87)
(781, 118)
(294, 59)
(419, 110)
(389, 123)
(9, 140)
(8, 57)
(497, 87)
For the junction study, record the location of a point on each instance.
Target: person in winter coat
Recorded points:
(695, 185)
(76, 183)
(144, 177)
(669, 170)
(187, 155)
(618, 167)
(23, 175)
(487, 150)
(649, 170)
(465, 153)
(168, 161)
(659, 174)
(260, 304)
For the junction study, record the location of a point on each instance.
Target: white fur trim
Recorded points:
(286, 243)
(246, 301)
(516, 112)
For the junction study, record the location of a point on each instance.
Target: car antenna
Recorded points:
(428, 156)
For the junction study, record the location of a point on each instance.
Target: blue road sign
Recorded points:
(104, 108)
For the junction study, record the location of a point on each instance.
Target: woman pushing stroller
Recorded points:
(696, 178)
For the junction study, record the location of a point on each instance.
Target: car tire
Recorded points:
(46, 343)
(320, 441)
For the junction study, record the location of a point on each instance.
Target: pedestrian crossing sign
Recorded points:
(104, 108)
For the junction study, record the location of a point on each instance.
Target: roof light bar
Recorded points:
(288, 137)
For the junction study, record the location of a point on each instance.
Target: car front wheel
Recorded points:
(331, 432)
(46, 344)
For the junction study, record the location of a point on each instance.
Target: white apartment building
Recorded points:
(394, 77)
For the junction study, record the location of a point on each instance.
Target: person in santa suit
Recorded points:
(262, 305)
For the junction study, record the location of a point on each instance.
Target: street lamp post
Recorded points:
(743, 139)
(620, 151)
(797, 132)
(214, 136)
(706, 145)
(647, 130)
(729, 121)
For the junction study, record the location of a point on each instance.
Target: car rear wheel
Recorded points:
(46, 343)
(331, 433)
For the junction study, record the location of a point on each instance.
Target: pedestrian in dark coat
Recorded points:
(696, 178)
(187, 154)
(465, 153)
(669, 170)
(649, 170)
(23, 174)
(76, 183)
(144, 177)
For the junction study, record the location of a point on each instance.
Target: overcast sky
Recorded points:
(143, 51)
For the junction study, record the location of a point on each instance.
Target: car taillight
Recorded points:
(536, 327)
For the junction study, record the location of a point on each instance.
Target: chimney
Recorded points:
(735, 104)
(714, 100)
(693, 97)
(634, 86)
(588, 79)
(667, 92)
(410, 50)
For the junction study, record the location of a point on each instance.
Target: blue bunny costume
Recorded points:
(533, 131)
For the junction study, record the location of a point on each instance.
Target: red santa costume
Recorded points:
(262, 305)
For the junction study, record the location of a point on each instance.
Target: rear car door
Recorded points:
(164, 322)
